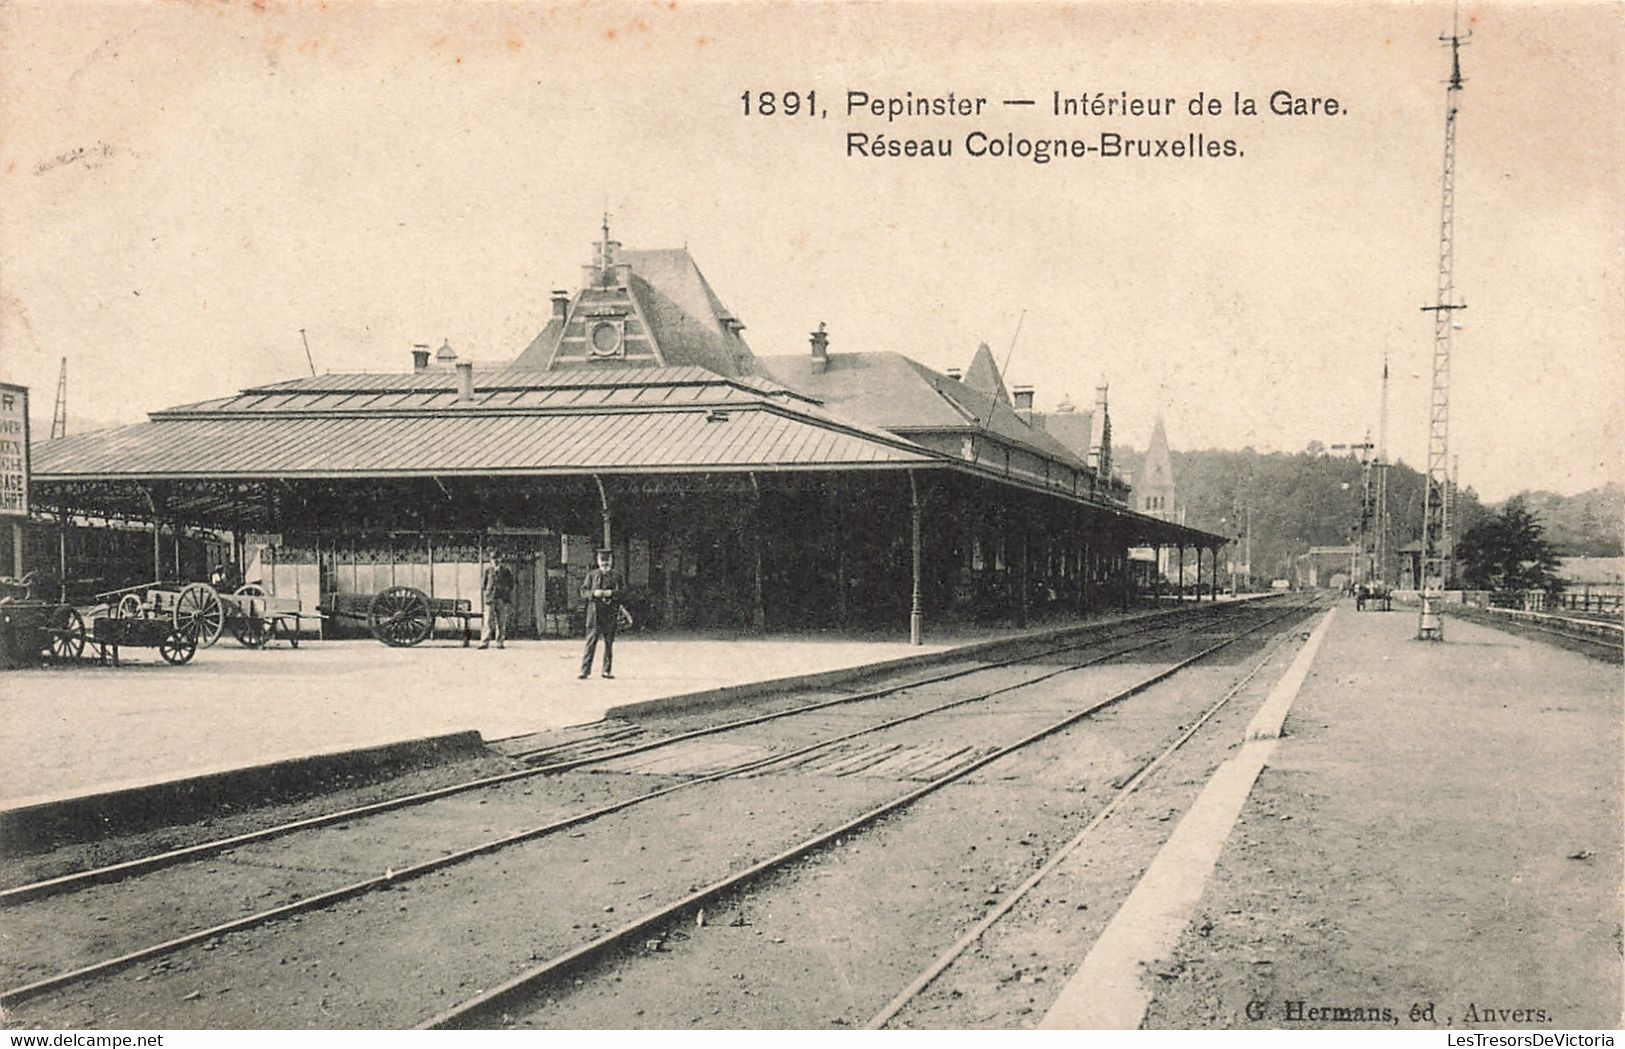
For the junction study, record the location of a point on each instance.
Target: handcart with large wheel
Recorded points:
(65, 634)
(401, 616)
(256, 618)
(192, 608)
(32, 630)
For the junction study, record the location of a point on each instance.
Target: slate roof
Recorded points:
(983, 374)
(1071, 428)
(686, 321)
(899, 394)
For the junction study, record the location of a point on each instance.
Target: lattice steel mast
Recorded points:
(59, 414)
(1436, 503)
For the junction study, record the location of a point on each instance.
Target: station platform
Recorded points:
(1435, 839)
(69, 732)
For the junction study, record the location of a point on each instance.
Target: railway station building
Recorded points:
(825, 488)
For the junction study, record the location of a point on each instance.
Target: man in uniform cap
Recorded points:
(496, 587)
(602, 591)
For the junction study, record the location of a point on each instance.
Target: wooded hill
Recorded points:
(1297, 501)
(1302, 500)
(1584, 525)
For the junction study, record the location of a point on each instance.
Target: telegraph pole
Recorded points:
(308, 358)
(1435, 503)
(1381, 522)
(1360, 570)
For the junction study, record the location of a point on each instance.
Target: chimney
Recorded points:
(465, 381)
(955, 373)
(820, 350)
(561, 304)
(420, 357)
(1023, 397)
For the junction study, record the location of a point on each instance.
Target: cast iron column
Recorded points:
(62, 556)
(157, 539)
(603, 502)
(916, 613)
(753, 521)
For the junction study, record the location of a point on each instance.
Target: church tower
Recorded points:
(1154, 491)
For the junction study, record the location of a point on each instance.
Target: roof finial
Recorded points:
(603, 247)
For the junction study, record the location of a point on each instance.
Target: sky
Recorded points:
(184, 186)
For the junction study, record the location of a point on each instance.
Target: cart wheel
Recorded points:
(251, 632)
(67, 630)
(128, 607)
(250, 590)
(400, 616)
(178, 646)
(198, 611)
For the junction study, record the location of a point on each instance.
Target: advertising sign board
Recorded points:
(13, 451)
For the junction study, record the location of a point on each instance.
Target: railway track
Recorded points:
(779, 757)
(552, 759)
(492, 1005)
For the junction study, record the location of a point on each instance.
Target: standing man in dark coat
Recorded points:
(496, 587)
(602, 592)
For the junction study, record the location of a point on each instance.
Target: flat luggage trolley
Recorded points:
(194, 608)
(401, 616)
(176, 644)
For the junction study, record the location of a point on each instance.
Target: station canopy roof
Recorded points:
(519, 422)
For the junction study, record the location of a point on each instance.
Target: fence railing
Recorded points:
(1585, 600)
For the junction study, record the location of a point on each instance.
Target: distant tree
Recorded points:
(1507, 550)
(1315, 448)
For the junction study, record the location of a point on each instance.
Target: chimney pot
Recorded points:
(820, 349)
(561, 303)
(465, 381)
(1023, 396)
(420, 357)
